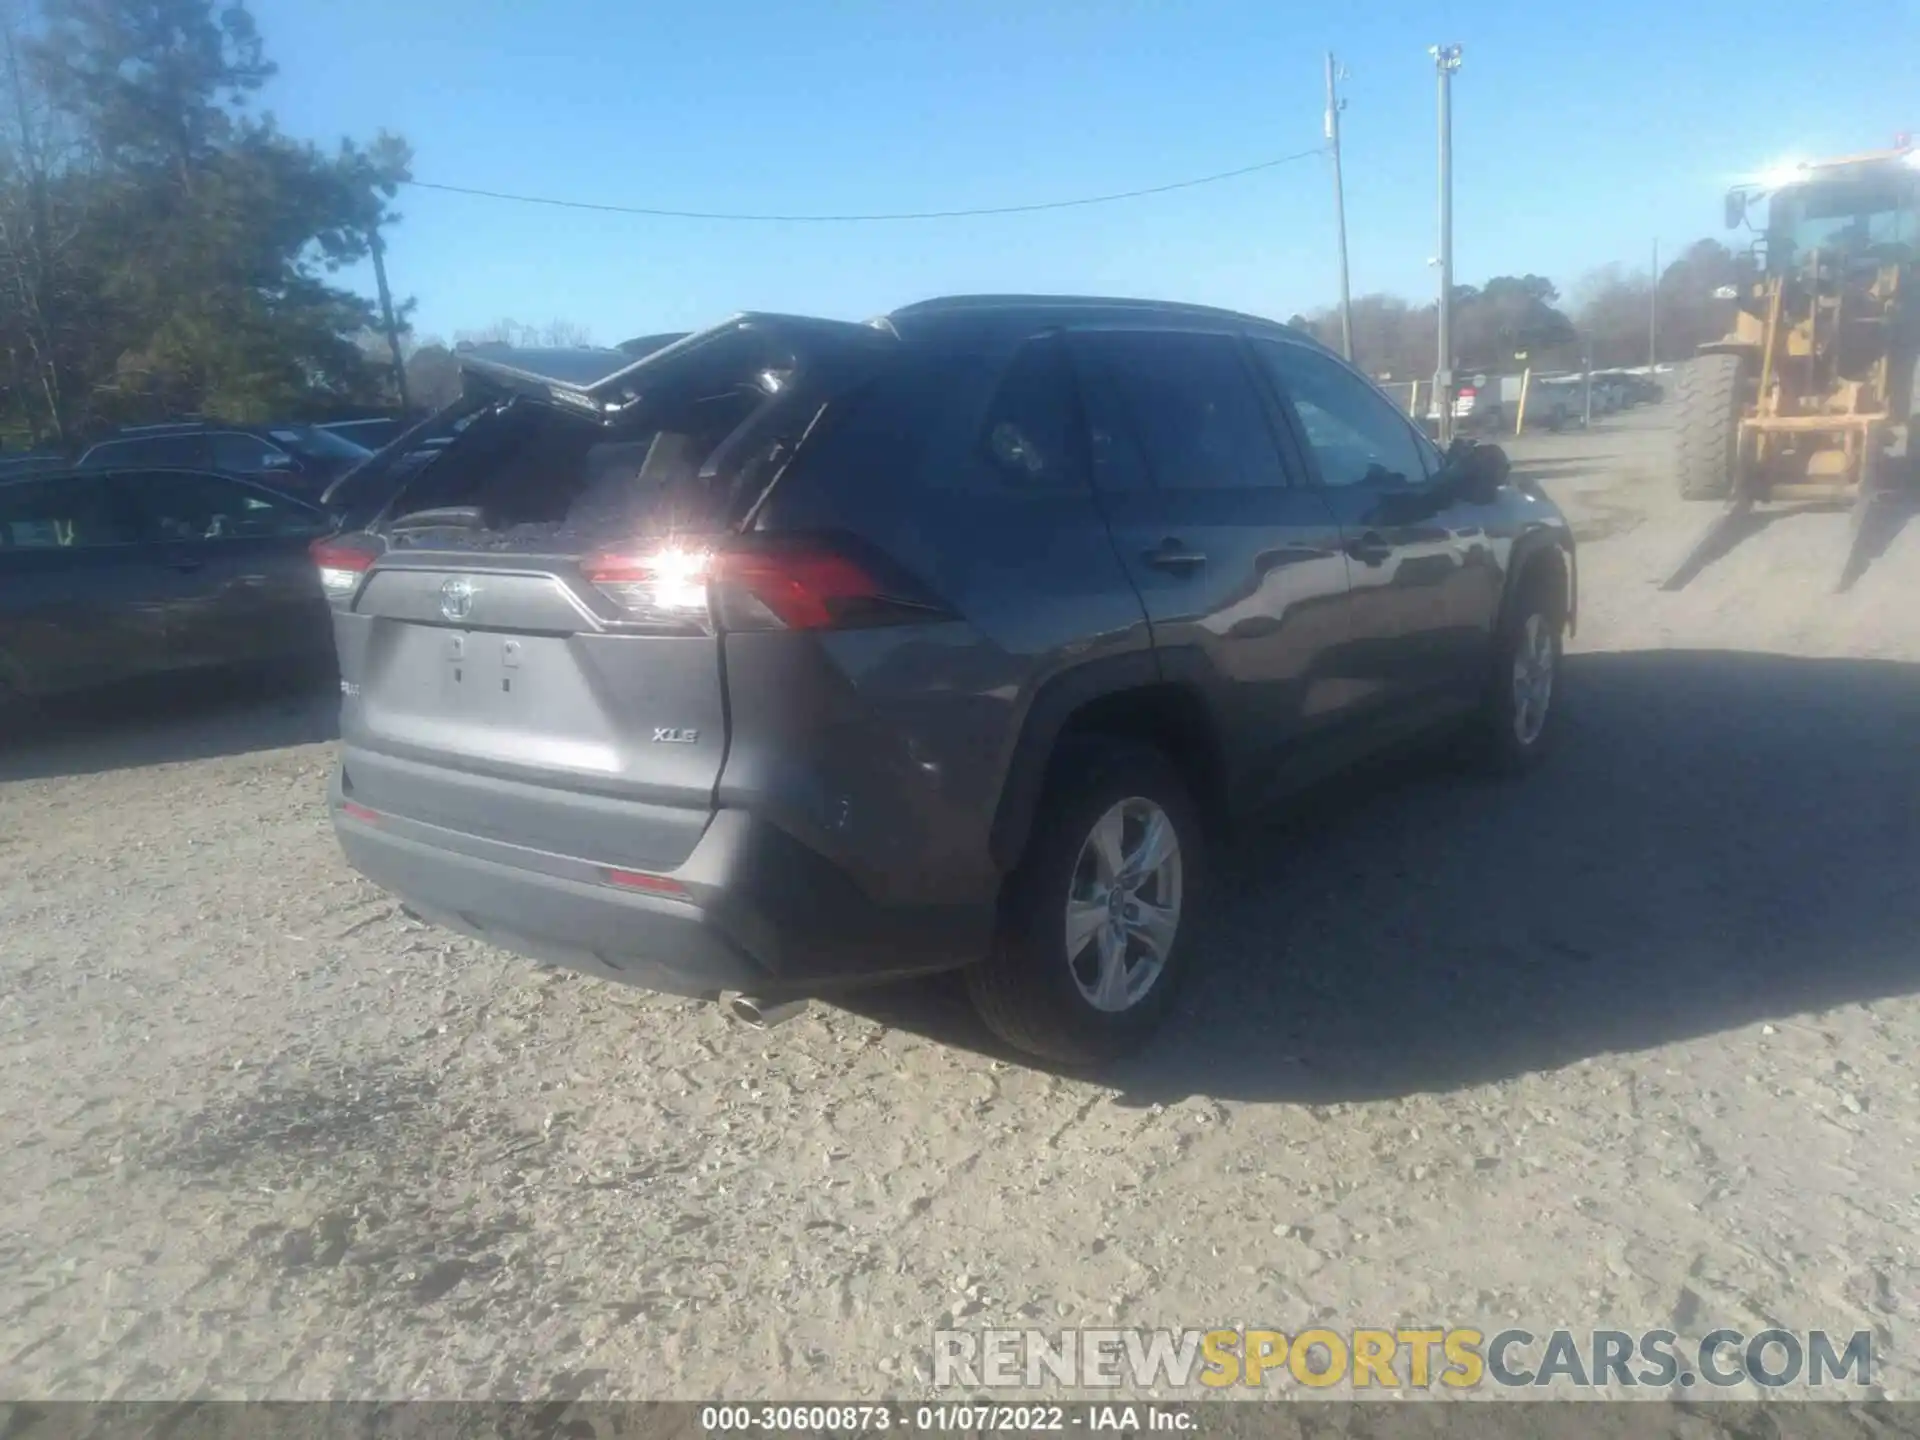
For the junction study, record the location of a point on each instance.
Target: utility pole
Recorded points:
(1586, 383)
(1653, 313)
(1334, 107)
(379, 249)
(1446, 60)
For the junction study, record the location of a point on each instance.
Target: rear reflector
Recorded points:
(358, 812)
(341, 564)
(641, 880)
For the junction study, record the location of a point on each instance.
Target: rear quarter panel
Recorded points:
(889, 748)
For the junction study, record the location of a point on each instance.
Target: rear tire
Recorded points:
(1710, 395)
(1039, 990)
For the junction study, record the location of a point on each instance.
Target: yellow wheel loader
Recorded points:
(1813, 399)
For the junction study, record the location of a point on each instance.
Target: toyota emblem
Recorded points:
(456, 598)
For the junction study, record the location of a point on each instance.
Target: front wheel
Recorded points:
(1519, 711)
(1712, 392)
(1089, 954)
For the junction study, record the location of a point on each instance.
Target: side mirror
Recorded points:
(1736, 208)
(1478, 470)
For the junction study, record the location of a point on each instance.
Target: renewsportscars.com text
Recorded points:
(1460, 1358)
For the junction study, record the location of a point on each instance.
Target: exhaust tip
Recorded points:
(757, 1014)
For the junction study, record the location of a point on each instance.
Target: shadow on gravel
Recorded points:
(196, 718)
(1712, 545)
(1722, 837)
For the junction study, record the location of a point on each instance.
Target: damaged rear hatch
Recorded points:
(529, 644)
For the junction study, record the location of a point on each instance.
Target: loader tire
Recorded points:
(1710, 395)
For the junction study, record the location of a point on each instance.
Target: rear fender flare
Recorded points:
(1053, 707)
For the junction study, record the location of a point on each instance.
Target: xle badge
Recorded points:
(667, 735)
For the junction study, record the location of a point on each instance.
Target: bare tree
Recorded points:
(554, 334)
(36, 238)
(565, 334)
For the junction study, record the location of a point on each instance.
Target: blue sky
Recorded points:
(1582, 133)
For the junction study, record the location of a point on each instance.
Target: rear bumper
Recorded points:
(763, 914)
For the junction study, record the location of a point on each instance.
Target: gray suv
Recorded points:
(798, 654)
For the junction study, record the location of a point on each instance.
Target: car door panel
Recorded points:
(243, 590)
(81, 603)
(1424, 578)
(1239, 569)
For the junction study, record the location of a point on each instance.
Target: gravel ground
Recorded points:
(1631, 1044)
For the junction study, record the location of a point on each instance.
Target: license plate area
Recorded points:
(485, 674)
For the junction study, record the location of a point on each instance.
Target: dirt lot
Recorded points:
(1632, 1044)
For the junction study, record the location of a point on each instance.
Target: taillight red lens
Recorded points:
(789, 588)
(355, 811)
(802, 590)
(341, 563)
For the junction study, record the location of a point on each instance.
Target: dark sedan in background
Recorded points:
(298, 460)
(119, 574)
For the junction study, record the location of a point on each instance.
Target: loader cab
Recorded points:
(1864, 212)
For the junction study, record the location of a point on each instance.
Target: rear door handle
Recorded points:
(1370, 548)
(1171, 555)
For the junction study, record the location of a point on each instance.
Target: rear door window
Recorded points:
(241, 454)
(1176, 411)
(66, 513)
(180, 508)
(189, 451)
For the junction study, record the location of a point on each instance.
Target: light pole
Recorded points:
(1653, 314)
(1446, 60)
(1334, 106)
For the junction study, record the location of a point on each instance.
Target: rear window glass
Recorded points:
(542, 477)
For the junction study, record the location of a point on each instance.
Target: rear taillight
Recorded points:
(341, 564)
(786, 588)
(802, 590)
(666, 585)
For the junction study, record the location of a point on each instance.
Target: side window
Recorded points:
(1356, 435)
(1031, 433)
(69, 512)
(241, 454)
(105, 455)
(881, 432)
(180, 507)
(185, 450)
(1180, 407)
(914, 425)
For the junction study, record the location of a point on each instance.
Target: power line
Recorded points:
(861, 219)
